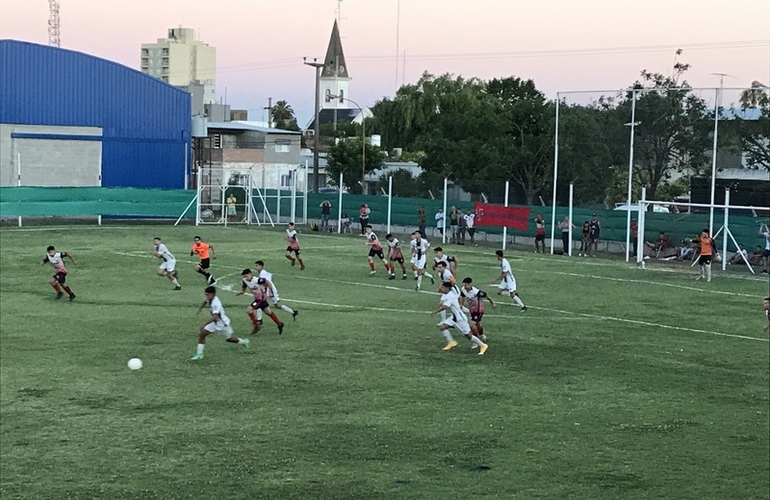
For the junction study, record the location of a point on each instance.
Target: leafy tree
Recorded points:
(753, 132)
(283, 116)
(404, 185)
(346, 157)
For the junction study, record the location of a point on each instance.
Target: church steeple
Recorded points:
(334, 62)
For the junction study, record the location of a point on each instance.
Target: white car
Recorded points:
(635, 208)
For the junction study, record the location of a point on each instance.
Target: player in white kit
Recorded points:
(218, 322)
(419, 247)
(507, 281)
(169, 262)
(274, 299)
(455, 319)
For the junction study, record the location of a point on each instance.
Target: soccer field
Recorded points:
(617, 383)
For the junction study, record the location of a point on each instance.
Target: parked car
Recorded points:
(635, 208)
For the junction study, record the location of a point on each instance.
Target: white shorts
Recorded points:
(219, 327)
(168, 265)
(508, 285)
(419, 263)
(460, 324)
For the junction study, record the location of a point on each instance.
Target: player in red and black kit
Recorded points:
(58, 280)
(261, 292)
(473, 298)
(291, 239)
(375, 250)
(395, 255)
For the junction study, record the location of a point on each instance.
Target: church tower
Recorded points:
(334, 74)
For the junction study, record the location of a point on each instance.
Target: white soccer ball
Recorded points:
(135, 364)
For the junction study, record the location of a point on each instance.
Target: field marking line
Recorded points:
(585, 315)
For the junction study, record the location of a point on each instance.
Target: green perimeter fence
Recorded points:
(161, 203)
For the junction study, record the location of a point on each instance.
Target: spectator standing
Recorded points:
(593, 234)
(470, 225)
(565, 226)
(231, 210)
(584, 239)
(454, 214)
(462, 226)
(440, 220)
(634, 227)
(326, 207)
(363, 217)
(539, 233)
(764, 231)
(421, 218)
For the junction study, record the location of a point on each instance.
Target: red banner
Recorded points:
(495, 215)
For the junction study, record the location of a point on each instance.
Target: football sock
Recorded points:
(68, 290)
(200, 271)
(481, 329)
(206, 274)
(300, 261)
(241, 341)
(447, 335)
(56, 287)
(259, 314)
(175, 282)
(475, 330)
(290, 258)
(287, 309)
(476, 341)
(199, 349)
(415, 274)
(371, 266)
(419, 281)
(708, 272)
(517, 301)
(428, 275)
(253, 318)
(403, 270)
(274, 318)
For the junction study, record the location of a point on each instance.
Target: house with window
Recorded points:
(237, 147)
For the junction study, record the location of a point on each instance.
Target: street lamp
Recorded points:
(316, 125)
(363, 138)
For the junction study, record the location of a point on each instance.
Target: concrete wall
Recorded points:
(53, 156)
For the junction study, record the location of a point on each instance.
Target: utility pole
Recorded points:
(269, 109)
(316, 124)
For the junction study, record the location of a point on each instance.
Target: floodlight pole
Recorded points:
(316, 125)
(633, 124)
(555, 173)
(714, 162)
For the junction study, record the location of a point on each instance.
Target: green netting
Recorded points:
(81, 201)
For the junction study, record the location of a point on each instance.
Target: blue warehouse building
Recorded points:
(71, 119)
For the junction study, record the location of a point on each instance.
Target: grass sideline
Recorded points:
(617, 383)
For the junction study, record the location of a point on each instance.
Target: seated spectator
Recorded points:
(739, 256)
(755, 259)
(661, 243)
(345, 224)
(685, 250)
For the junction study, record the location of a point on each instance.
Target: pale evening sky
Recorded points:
(562, 45)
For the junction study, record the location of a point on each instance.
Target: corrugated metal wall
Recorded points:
(145, 122)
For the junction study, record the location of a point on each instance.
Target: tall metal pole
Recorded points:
(714, 162)
(339, 209)
(505, 228)
(316, 124)
(726, 230)
(390, 198)
(630, 174)
(569, 226)
(304, 203)
(293, 195)
(443, 221)
(555, 173)
(18, 176)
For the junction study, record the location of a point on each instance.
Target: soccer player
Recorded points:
(455, 319)
(169, 263)
(60, 276)
(202, 249)
(474, 298)
(539, 233)
(766, 305)
(375, 250)
(419, 249)
(507, 281)
(707, 250)
(291, 238)
(446, 276)
(274, 298)
(450, 260)
(261, 292)
(395, 255)
(218, 322)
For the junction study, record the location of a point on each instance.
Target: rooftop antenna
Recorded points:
(54, 25)
(398, 36)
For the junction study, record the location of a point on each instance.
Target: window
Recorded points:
(342, 96)
(287, 180)
(328, 95)
(282, 146)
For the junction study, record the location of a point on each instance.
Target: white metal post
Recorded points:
(570, 224)
(641, 222)
(714, 162)
(293, 196)
(726, 230)
(18, 175)
(630, 175)
(390, 199)
(339, 206)
(199, 191)
(505, 203)
(443, 221)
(304, 203)
(278, 201)
(555, 173)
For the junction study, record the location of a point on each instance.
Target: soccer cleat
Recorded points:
(404, 277)
(302, 267)
(392, 277)
(246, 343)
(255, 330)
(523, 308)
(294, 315)
(72, 297)
(417, 288)
(213, 281)
(483, 349)
(197, 357)
(372, 273)
(59, 295)
(474, 346)
(178, 287)
(699, 278)
(280, 329)
(450, 345)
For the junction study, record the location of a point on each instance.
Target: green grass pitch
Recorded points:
(617, 383)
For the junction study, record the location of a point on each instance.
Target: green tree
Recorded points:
(283, 116)
(751, 125)
(346, 157)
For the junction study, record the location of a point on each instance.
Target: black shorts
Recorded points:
(377, 253)
(205, 263)
(704, 259)
(60, 277)
(766, 253)
(295, 250)
(400, 260)
(260, 304)
(539, 237)
(476, 317)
